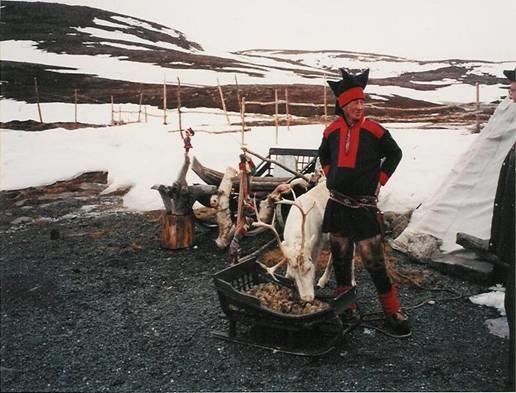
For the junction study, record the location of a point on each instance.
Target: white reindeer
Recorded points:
(303, 241)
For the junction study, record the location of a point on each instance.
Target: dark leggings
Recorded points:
(372, 254)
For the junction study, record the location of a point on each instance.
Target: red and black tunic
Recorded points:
(354, 160)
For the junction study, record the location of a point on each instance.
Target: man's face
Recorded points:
(354, 110)
(512, 91)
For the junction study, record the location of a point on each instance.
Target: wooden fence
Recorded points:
(142, 114)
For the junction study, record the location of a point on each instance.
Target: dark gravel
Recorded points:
(104, 307)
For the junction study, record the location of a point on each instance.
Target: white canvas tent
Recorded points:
(464, 201)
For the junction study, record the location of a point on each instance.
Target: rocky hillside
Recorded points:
(65, 47)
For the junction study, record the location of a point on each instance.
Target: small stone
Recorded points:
(368, 331)
(21, 220)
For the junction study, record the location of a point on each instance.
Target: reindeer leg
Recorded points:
(325, 278)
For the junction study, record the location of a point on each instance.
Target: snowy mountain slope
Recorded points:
(88, 48)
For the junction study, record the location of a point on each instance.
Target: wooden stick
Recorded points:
(140, 107)
(240, 206)
(477, 115)
(290, 104)
(276, 113)
(479, 246)
(112, 112)
(223, 102)
(297, 174)
(238, 92)
(37, 99)
(286, 109)
(119, 114)
(179, 103)
(75, 96)
(164, 101)
(242, 120)
(145, 108)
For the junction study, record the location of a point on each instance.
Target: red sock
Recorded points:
(390, 302)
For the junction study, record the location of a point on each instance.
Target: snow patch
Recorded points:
(138, 23)
(33, 159)
(123, 46)
(121, 36)
(499, 327)
(494, 299)
(102, 22)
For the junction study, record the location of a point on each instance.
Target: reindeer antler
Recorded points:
(303, 219)
(272, 270)
(260, 223)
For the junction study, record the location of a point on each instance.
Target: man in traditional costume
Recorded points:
(359, 156)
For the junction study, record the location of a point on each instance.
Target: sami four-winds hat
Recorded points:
(350, 88)
(511, 75)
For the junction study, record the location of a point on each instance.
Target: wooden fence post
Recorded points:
(242, 120)
(112, 112)
(477, 116)
(238, 92)
(37, 99)
(140, 107)
(286, 109)
(276, 112)
(119, 114)
(164, 102)
(223, 102)
(179, 103)
(75, 96)
(145, 108)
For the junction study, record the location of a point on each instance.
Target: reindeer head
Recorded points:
(300, 267)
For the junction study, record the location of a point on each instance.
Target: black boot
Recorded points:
(399, 323)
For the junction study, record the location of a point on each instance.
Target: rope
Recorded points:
(282, 102)
(364, 318)
(216, 132)
(116, 111)
(433, 109)
(384, 331)
(375, 315)
(457, 296)
(90, 99)
(183, 84)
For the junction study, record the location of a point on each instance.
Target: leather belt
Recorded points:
(354, 202)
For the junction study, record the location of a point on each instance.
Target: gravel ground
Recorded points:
(104, 307)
